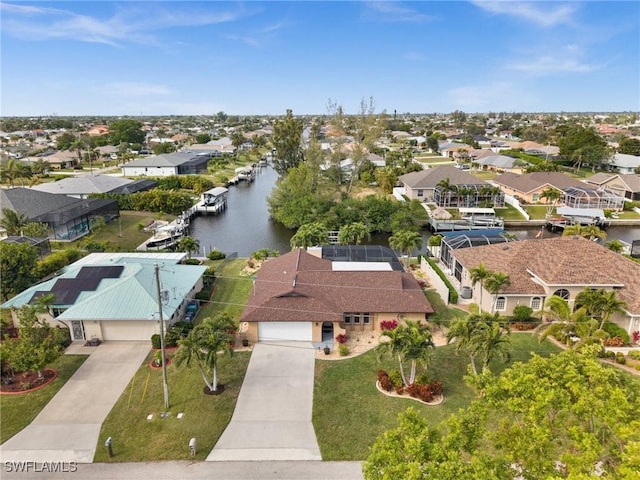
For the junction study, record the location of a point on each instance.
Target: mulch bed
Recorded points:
(25, 382)
(211, 392)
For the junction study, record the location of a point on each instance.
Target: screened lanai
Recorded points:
(468, 195)
(585, 197)
(472, 238)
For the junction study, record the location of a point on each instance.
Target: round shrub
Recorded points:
(155, 341)
(216, 254)
(343, 350)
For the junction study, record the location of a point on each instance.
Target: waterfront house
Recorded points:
(540, 268)
(305, 297)
(529, 186)
(178, 163)
(113, 296)
(84, 185)
(624, 185)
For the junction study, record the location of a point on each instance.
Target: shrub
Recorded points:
(522, 313)
(453, 295)
(521, 326)
(204, 294)
(155, 341)
(251, 263)
(436, 387)
(341, 339)
(191, 261)
(634, 354)
(635, 336)
(209, 275)
(396, 378)
(615, 331)
(216, 254)
(610, 354)
(620, 358)
(638, 367)
(265, 253)
(382, 373)
(388, 325)
(613, 342)
(423, 379)
(385, 382)
(421, 392)
(343, 350)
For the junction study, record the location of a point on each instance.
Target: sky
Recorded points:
(262, 58)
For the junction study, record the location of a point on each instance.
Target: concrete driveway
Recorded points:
(67, 429)
(272, 418)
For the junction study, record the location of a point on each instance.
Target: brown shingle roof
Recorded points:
(532, 181)
(299, 286)
(558, 261)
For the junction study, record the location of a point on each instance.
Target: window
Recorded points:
(501, 303)
(562, 293)
(352, 318)
(536, 303)
(535, 197)
(366, 318)
(356, 318)
(420, 193)
(347, 318)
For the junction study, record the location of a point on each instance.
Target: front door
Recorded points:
(327, 331)
(77, 330)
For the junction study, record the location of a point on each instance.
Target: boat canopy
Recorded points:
(580, 212)
(477, 211)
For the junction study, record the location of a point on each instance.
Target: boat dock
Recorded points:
(568, 216)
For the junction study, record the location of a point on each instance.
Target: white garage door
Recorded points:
(124, 330)
(273, 331)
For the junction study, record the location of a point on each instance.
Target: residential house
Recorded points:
(529, 186)
(84, 185)
(303, 297)
(179, 163)
(58, 159)
(502, 163)
(454, 149)
(463, 190)
(68, 218)
(538, 269)
(624, 163)
(588, 197)
(113, 296)
(624, 185)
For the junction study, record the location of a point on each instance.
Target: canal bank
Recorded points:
(246, 226)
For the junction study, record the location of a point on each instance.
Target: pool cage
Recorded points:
(584, 197)
(362, 253)
(468, 195)
(75, 220)
(455, 240)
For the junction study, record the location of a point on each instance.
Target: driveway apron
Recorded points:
(68, 427)
(272, 418)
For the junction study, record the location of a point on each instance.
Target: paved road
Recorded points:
(311, 470)
(68, 427)
(272, 418)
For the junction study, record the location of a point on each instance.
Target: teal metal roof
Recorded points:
(131, 296)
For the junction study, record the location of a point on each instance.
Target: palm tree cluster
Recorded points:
(492, 281)
(483, 337)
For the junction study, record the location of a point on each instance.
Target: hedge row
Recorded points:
(453, 295)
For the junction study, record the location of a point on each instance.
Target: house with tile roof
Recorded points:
(540, 268)
(624, 185)
(502, 163)
(113, 296)
(303, 297)
(529, 186)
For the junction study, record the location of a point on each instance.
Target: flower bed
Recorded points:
(25, 382)
(437, 399)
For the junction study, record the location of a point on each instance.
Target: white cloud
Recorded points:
(568, 59)
(128, 25)
(540, 13)
(134, 89)
(393, 11)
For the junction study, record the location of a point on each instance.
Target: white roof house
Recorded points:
(625, 163)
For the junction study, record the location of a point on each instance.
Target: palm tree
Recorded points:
(610, 305)
(188, 245)
(405, 241)
(463, 332)
(492, 341)
(203, 345)
(615, 245)
(446, 187)
(590, 232)
(237, 139)
(495, 282)
(567, 325)
(354, 233)
(11, 171)
(411, 342)
(478, 275)
(13, 221)
(552, 195)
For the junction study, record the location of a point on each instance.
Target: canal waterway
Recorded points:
(245, 226)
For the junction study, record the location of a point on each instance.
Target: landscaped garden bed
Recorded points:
(25, 382)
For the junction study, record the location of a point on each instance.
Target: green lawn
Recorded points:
(231, 289)
(18, 411)
(484, 174)
(509, 213)
(537, 212)
(136, 439)
(444, 314)
(349, 413)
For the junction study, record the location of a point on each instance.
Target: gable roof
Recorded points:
(529, 182)
(430, 177)
(32, 202)
(299, 286)
(83, 184)
(501, 161)
(560, 261)
(165, 160)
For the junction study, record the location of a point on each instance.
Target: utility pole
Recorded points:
(165, 385)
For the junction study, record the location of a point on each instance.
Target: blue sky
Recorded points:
(199, 58)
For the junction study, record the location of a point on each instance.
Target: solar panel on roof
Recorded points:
(109, 271)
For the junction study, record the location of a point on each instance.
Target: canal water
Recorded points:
(245, 226)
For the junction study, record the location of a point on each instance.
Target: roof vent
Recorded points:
(506, 247)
